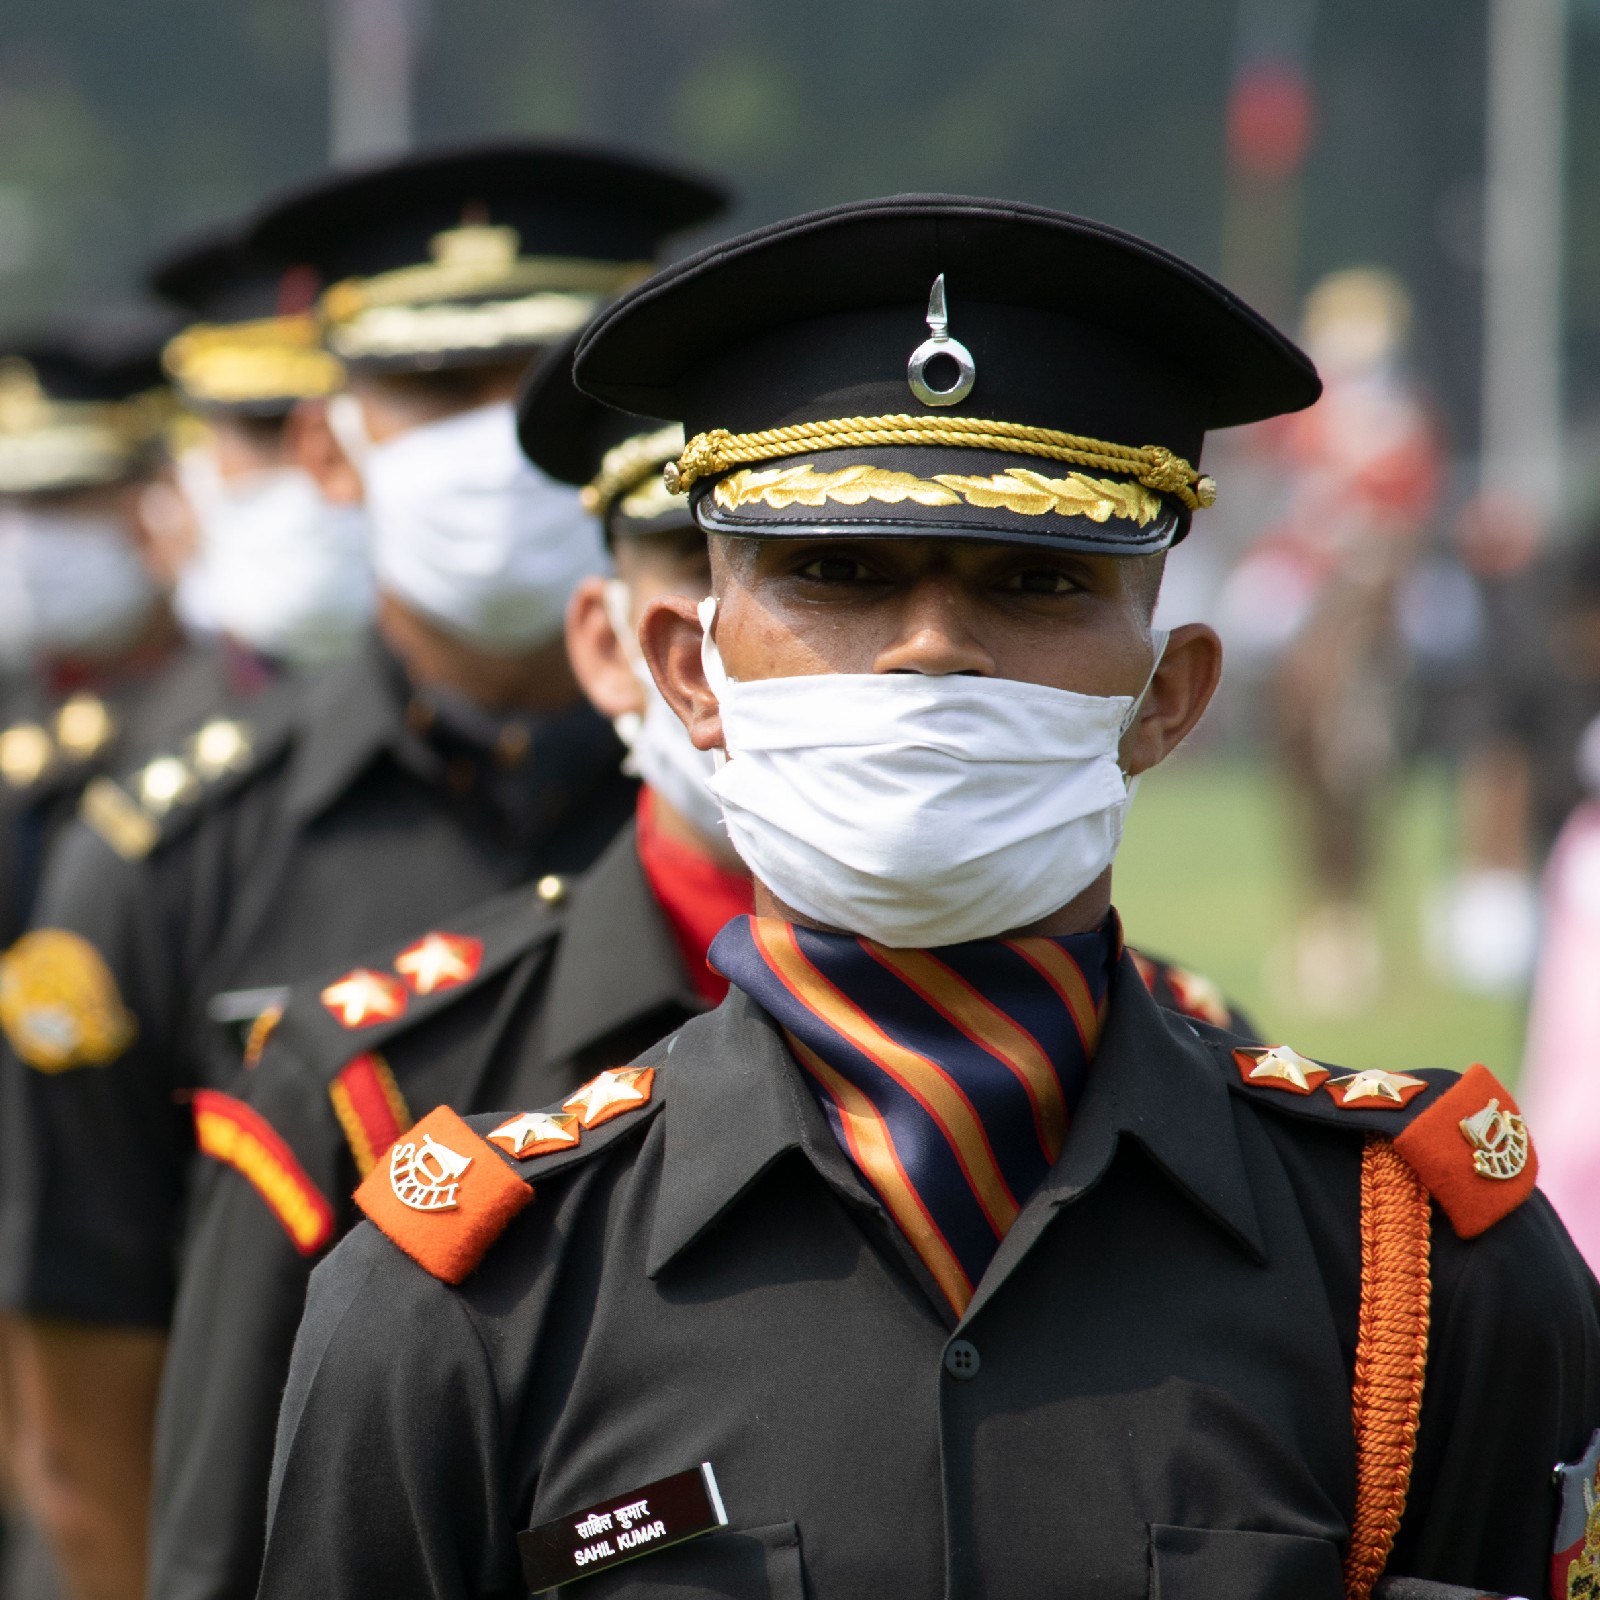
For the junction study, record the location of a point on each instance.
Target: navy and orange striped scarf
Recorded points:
(948, 1076)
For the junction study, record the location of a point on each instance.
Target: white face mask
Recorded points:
(75, 583)
(279, 569)
(659, 749)
(920, 811)
(467, 530)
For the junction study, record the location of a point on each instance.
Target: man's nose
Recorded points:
(934, 635)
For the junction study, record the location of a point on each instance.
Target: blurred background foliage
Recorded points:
(124, 125)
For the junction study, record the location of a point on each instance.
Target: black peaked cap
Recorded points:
(569, 435)
(564, 200)
(1073, 326)
(104, 357)
(216, 277)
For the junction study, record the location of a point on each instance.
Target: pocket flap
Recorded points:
(1223, 1564)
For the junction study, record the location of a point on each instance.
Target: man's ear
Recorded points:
(309, 443)
(669, 636)
(1177, 698)
(599, 661)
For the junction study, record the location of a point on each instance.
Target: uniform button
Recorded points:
(961, 1360)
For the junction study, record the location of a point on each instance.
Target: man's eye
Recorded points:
(1042, 581)
(835, 569)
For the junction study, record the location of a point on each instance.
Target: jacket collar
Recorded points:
(616, 961)
(349, 717)
(735, 1105)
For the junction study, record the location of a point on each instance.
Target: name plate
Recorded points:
(621, 1528)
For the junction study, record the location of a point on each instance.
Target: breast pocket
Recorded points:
(1212, 1564)
(730, 1564)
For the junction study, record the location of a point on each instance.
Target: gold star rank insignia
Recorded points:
(439, 961)
(614, 1091)
(1375, 1089)
(1278, 1067)
(363, 997)
(536, 1133)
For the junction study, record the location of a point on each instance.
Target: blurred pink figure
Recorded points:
(1560, 1087)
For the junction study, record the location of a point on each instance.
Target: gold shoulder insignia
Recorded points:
(610, 1093)
(119, 819)
(1278, 1067)
(59, 1003)
(129, 816)
(26, 752)
(84, 726)
(164, 784)
(220, 747)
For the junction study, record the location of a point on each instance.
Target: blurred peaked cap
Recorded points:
(252, 347)
(83, 403)
(104, 355)
(1072, 326)
(616, 456)
(216, 277)
(563, 200)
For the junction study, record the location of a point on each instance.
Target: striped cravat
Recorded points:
(948, 1076)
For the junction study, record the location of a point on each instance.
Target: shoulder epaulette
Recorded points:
(80, 729)
(236, 1134)
(338, 1026)
(448, 1189)
(1190, 994)
(1461, 1133)
(155, 802)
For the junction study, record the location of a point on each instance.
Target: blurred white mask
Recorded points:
(279, 568)
(75, 584)
(467, 530)
(659, 748)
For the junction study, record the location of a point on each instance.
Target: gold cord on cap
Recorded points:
(625, 466)
(1152, 465)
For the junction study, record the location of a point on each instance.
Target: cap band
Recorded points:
(244, 363)
(1153, 465)
(48, 444)
(625, 466)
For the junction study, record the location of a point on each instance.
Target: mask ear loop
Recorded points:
(711, 663)
(1158, 643)
(617, 599)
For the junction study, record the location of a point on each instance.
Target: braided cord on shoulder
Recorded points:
(1391, 1355)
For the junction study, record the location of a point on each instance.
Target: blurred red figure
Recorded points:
(1317, 593)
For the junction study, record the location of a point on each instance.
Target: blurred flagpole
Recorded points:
(371, 54)
(1271, 117)
(1522, 409)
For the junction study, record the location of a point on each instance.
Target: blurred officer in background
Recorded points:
(277, 571)
(85, 612)
(84, 587)
(938, 1260)
(521, 999)
(452, 757)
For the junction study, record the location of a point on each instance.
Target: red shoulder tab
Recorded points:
(238, 1135)
(444, 1195)
(370, 1108)
(1471, 1148)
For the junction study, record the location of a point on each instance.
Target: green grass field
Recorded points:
(1207, 877)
